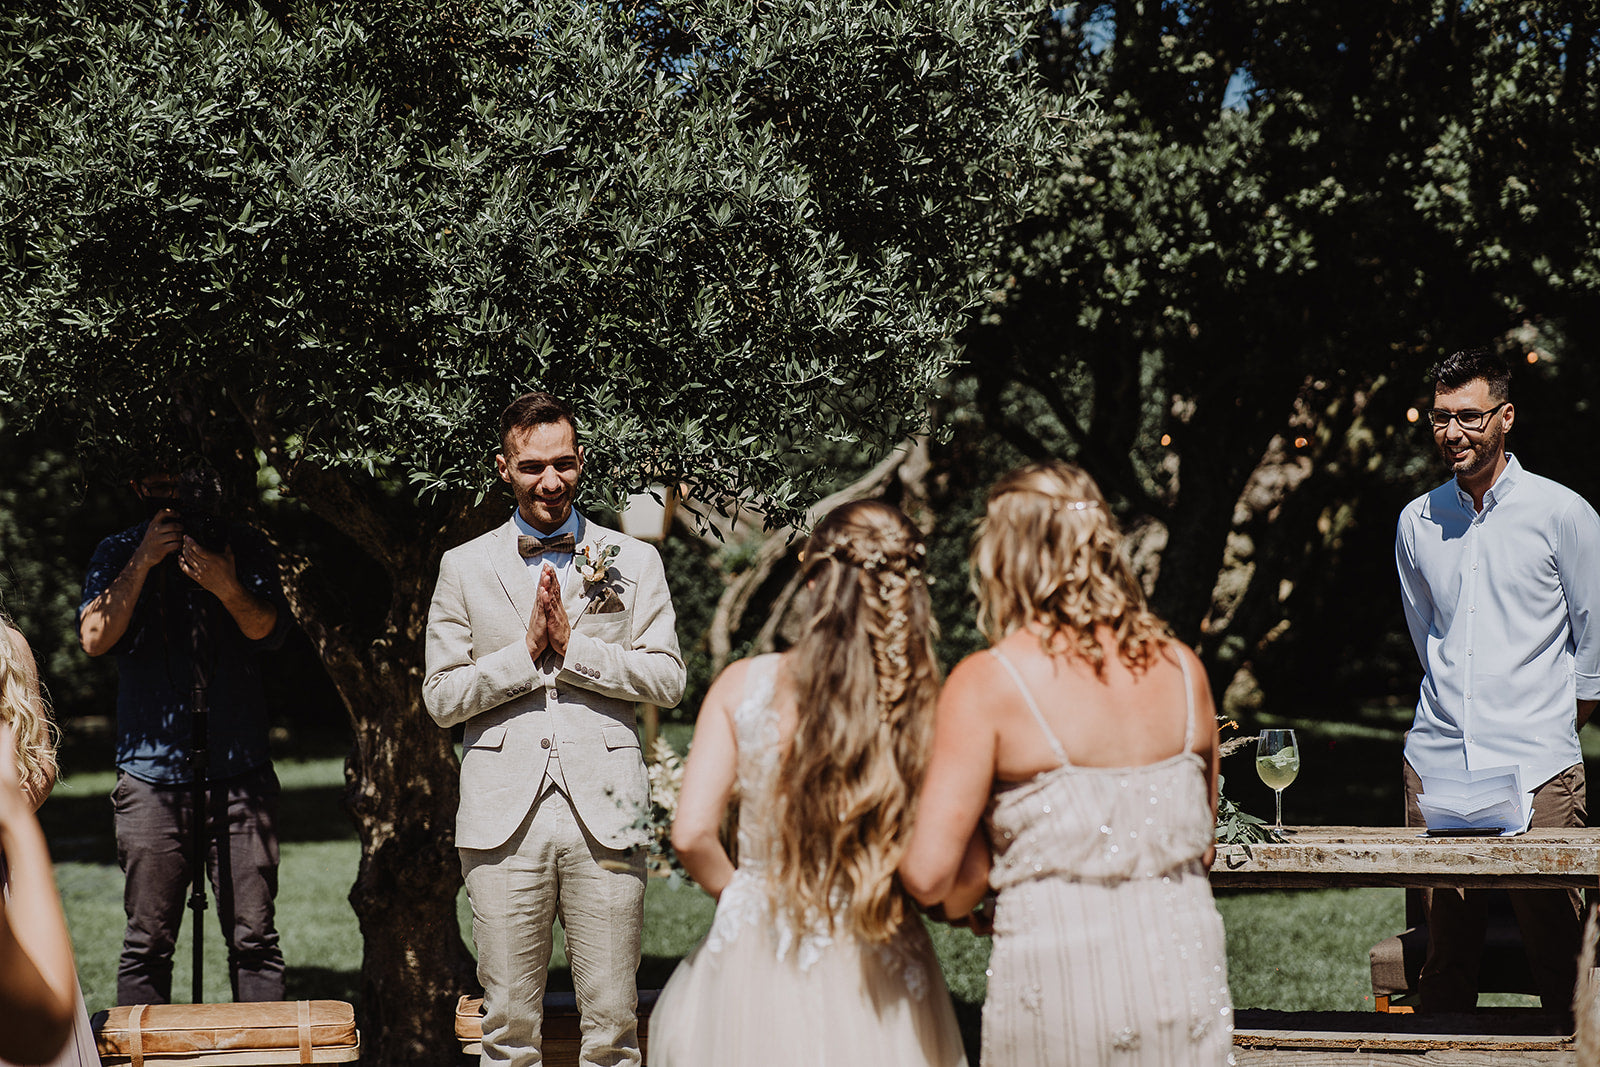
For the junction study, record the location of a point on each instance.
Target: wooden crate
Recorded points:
(227, 1035)
(562, 1038)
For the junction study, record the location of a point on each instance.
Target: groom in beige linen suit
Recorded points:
(542, 637)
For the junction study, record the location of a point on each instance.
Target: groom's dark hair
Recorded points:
(535, 409)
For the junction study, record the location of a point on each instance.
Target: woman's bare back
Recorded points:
(1118, 717)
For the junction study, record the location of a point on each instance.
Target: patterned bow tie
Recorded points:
(530, 547)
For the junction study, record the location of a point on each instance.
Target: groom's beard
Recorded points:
(547, 513)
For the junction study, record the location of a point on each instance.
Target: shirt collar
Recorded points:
(570, 526)
(1501, 488)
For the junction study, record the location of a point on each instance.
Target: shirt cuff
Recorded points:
(1587, 685)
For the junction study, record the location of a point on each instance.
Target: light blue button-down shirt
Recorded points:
(1502, 606)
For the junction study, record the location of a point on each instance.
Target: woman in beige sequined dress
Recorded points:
(1080, 751)
(815, 955)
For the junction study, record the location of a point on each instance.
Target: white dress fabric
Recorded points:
(1108, 949)
(758, 991)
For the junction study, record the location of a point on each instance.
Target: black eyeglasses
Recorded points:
(1467, 420)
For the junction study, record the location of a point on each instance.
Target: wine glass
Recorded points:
(1277, 762)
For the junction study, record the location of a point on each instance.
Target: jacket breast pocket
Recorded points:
(617, 737)
(611, 628)
(490, 738)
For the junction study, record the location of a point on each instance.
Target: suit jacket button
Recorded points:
(544, 742)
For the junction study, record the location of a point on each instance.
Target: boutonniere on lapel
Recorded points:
(594, 567)
(595, 560)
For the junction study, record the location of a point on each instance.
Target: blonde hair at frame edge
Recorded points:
(1049, 555)
(23, 706)
(866, 680)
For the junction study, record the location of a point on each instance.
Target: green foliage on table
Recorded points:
(1235, 826)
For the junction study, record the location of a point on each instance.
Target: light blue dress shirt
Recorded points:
(1501, 604)
(560, 561)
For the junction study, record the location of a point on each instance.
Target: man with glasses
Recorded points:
(1500, 579)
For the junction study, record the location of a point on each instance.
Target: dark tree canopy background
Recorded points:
(1240, 280)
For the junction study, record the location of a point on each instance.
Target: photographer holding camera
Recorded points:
(187, 602)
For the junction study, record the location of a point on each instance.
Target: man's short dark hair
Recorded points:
(1471, 364)
(537, 408)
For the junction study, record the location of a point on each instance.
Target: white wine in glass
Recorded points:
(1277, 762)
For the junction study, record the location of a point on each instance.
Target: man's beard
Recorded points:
(1483, 454)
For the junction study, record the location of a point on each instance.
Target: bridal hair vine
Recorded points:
(1078, 505)
(892, 574)
(908, 565)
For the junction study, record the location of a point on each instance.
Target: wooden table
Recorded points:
(1329, 857)
(1324, 857)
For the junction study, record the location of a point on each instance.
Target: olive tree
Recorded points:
(319, 247)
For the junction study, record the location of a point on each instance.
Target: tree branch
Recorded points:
(736, 597)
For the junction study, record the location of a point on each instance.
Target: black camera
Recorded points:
(199, 497)
(196, 500)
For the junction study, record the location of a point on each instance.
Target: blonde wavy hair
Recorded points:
(1049, 555)
(22, 705)
(865, 680)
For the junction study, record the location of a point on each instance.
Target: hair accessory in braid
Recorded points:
(894, 574)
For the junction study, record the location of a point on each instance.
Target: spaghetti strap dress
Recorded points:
(1108, 948)
(759, 991)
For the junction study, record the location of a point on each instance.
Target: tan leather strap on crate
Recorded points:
(136, 1036)
(304, 1028)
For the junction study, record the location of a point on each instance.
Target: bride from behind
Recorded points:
(816, 955)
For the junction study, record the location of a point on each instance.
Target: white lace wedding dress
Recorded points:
(758, 991)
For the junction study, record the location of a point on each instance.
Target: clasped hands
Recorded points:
(548, 626)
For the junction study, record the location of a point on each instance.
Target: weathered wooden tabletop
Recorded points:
(1318, 857)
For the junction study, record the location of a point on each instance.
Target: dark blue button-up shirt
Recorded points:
(155, 662)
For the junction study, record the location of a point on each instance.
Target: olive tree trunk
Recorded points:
(402, 776)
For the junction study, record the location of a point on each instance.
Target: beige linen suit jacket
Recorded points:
(623, 649)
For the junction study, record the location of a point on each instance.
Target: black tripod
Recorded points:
(201, 659)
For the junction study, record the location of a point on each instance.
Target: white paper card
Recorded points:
(1488, 799)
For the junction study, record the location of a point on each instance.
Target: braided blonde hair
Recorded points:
(865, 681)
(1049, 554)
(23, 706)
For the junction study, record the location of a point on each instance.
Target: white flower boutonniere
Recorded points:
(595, 560)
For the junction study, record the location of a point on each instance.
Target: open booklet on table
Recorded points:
(1489, 801)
